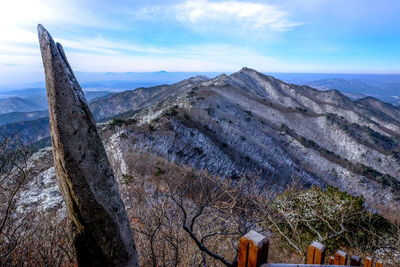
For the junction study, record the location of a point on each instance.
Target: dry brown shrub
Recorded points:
(188, 217)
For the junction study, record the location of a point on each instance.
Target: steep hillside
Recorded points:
(252, 123)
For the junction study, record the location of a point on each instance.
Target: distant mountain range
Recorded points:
(33, 106)
(388, 92)
(12, 117)
(385, 87)
(31, 132)
(19, 104)
(30, 104)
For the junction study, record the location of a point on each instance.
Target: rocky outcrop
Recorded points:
(99, 223)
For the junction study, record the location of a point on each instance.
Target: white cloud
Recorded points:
(19, 48)
(217, 57)
(213, 14)
(103, 46)
(211, 57)
(18, 18)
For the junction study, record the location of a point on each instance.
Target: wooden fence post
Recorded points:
(316, 253)
(340, 258)
(379, 263)
(368, 262)
(355, 261)
(331, 260)
(253, 250)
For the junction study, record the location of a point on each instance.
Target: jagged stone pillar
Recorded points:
(99, 224)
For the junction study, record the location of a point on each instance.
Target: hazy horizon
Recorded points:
(290, 36)
(160, 77)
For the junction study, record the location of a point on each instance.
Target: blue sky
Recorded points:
(323, 36)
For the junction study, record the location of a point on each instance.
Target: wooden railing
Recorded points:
(253, 252)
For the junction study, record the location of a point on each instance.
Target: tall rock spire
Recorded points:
(99, 224)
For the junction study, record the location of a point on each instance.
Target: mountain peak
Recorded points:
(254, 74)
(247, 70)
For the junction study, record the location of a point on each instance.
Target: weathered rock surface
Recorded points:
(99, 223)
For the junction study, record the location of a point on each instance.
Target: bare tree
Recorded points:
(50, 244)
(190, 217)
(220, 209)
(13, 173)
(27, 236)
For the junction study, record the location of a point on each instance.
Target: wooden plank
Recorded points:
(355, 261)
(331, 260)
(253, 250)
(297, 265)
(368, 262)
(316, 253)
(310, 254)
(379, 263)
(340, 258)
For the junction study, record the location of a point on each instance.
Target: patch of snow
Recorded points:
(149, 117)
(113, 146)
(42, 192)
